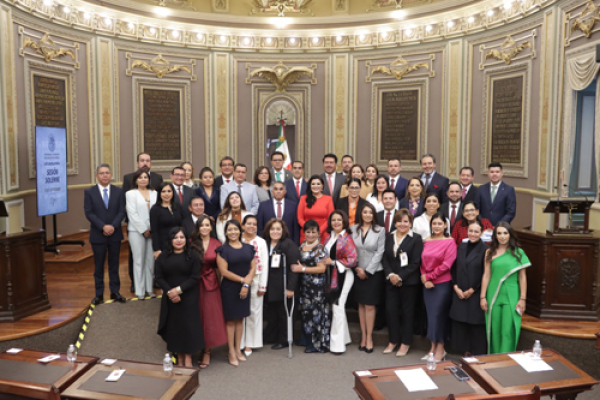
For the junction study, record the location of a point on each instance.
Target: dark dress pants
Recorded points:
(276, 329)
(400, 305)
(100, 249)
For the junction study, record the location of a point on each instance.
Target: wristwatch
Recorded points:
(246, 286)
(303, 269)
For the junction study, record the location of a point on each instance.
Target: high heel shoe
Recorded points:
(361, 348)
(402, 353)
(388, 351)
(368, 351)
(241, 357)
(205, 360)
(443, 357)
(233, 361)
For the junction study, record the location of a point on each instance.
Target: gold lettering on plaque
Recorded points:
(507, 120)
(162, 124)
(44, 48)
(49, 101)
(400, 124)
(282, 76)
(399, 68)
(159, 66)
(510, 50)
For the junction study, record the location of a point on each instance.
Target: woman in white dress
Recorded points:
(421, 225)
(253, 324)
(138, 203)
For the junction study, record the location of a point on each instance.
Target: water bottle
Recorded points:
(71, 353)
(431, 363)
(537, 349)
(167, 364)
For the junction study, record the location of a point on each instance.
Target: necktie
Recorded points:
(464, 193)
(105, 198)
(227, 180)
(392, 184)
(278, 174)
(330, 185)
(427, 180)
(494, 190)
(180, 195)
(387, 222)
(240, 189)
(298, 188)
(279, 212)
(453, 215)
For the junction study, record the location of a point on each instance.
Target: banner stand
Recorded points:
(53, 248)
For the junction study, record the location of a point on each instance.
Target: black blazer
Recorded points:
(471, 193)
(504, 206)
(188, 193)
(439, 185)
(445, 209)
(275, 287)
(467, 273)
(155, 181)
(266, 211)
(404, 203)
(99, 215)
(212, 204)
(381, 219)
(413, 247)
(342, 204)
(338, 182)
(220, 182)
(290, 190)
(189, 227)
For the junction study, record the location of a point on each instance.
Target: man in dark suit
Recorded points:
(226, 176)
(279, 173)
(143, 162)
(333, 180)
(296, 187)
(386, 217)
(496, 200)
(196, 209)
(395, 181)
(104, 207)
(452, 209)
(347, 163)
(183, 193)
(468, 190)
(279, 207)
(433, 181)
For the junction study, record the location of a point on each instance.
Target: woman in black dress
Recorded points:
(209, 193)
(468, 319)
(283, 253)
(237, 266)
(314, 305)
(165, 215)
(177, 273)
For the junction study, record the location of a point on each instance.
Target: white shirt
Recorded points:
(194, 218)
(101, 188)
(395, 178)
(424, 177)
(177, 188)
(282, 206)
(466, 188)
(397, 242)
(392, 212)
(450, 208)
(227, 180)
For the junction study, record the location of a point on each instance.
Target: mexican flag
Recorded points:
(282, 145)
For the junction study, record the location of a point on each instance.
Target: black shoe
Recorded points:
(368, 351)
(277, 346)
(118, 297)
(132, 289)
(97, 300)
(311, 349)
(378, 327)
(362, 348)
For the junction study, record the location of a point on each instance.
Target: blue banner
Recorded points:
(51, 167)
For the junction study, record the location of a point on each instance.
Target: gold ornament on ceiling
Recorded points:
(282, 76)
(509, 50)
(386, 3)
(587, 20)
(281, 7)
(159, 66)
(43, 48)
(178, 3)
(399, 68)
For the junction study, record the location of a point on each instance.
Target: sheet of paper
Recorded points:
(14, 350)
(115, 375)
(108, 361)
(470, 360)
(363, 373)
(49, 358)
(529, 363)
(416, 380)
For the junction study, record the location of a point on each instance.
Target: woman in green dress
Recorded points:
(504, 289)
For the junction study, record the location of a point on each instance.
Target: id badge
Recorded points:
(275, 260)
(403, 259)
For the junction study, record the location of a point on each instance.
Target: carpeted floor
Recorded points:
(128, 331)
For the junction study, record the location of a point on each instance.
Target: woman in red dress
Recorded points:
(213, 322)
(314, 205)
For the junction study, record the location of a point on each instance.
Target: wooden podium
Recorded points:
(564, 275)
(22, 275)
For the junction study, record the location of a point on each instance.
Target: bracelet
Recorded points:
(241, 280)
(521, 298)
(246, 285)
(303, 269)
(482, 298)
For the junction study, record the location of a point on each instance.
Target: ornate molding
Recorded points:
(570, 274)
(185, 4)
(159, 67)
(281, 75)
(47, 49)
(397, 4)
(508, 51)
(220, 6)
(400, 67)
(281, 7)
(587, 20)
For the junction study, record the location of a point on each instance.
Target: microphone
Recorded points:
(575, 191)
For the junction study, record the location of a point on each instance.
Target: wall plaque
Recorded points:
(162, 124)
(50, 101)
(400, 124)
(507, 120)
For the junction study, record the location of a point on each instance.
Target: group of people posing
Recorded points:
(424, 254)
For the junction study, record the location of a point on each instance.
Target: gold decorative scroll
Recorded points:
(385, 3)
(281, 7)
(509, 50)
(399, 68)
(281, 75)
(587, 20)
(179, 3)
(159, 66)
(47, 48)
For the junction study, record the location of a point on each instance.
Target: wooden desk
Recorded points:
(575, 382)
(366, 387)
(148, 380)
(23, 377)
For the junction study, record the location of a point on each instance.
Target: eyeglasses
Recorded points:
(179, 175)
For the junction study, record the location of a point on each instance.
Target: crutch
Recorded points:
(290, 313)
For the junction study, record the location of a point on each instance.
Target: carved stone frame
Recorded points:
(184, 88)
(378, 88)
(57, 72)
(520, 170)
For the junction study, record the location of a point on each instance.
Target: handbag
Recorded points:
(334, 282)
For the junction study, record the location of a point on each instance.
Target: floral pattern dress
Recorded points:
(314, 306)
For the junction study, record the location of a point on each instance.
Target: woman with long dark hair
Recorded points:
(314, 205)
(164, 215)
(211, 307)
(504, 289)
(376, 197)
(414, 199)
(233, 208)
(177, 273)
(422, 224)
(209, 193)
(352, 203)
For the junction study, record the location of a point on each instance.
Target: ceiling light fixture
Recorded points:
(175, 34)
(471, 19)
(450, 24)
(66, 10)
(315, 40)
(429, 28)
(362, 37)
(292, 40)
(269, 40)
(223, 38)
(86, 15)
(399, 14)
(490, 13)
(246, 41)
(107, 21)
(47, 3)
(199, 36)
(339, 38)
(152, 30)
(409, 32)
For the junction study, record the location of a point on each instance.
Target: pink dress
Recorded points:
(211, 308)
